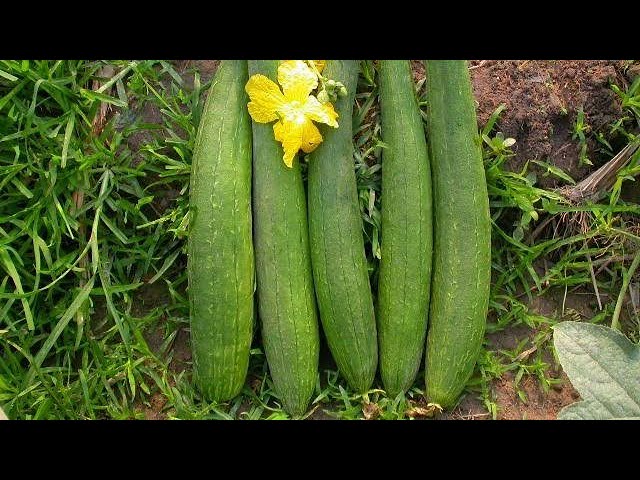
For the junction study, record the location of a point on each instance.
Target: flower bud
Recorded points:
(323, 97)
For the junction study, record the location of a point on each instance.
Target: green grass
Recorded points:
(93, 221)
(71, 346)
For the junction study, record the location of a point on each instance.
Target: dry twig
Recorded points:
(595, 186)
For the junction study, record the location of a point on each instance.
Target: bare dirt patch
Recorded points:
(539, 405)
(542, 98)
(154, 411)
(206, 69)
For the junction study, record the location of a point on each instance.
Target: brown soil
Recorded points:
(539, 405)
(542, 98)
(206, 69)
(153, 411)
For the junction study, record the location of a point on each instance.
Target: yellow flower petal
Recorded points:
(319, 112)
(278, 131)
(297, 80)
(290, 135)
(266, 98)
(311, 137)
(319, 64)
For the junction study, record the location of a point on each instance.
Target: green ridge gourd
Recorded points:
(286, 301)
(407, 236)
(337, 246)
(462, 242)
(220, 260)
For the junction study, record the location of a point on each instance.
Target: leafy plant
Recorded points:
(603, 366)
(630, 98)
(581, 128)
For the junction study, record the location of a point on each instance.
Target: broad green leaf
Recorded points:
(587, 410)
(604, 366)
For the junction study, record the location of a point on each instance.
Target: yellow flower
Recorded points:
(294, 107)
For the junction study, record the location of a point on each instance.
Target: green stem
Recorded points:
(626, 279)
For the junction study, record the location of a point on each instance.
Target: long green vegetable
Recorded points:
(337, 246)
(407, 237)
(462, 227)
(286, 300)
(220, 262)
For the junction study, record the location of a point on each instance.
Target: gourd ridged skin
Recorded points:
(462, 241)
(220, 261)
(337, 246)
(286, 301)
(407, 235)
